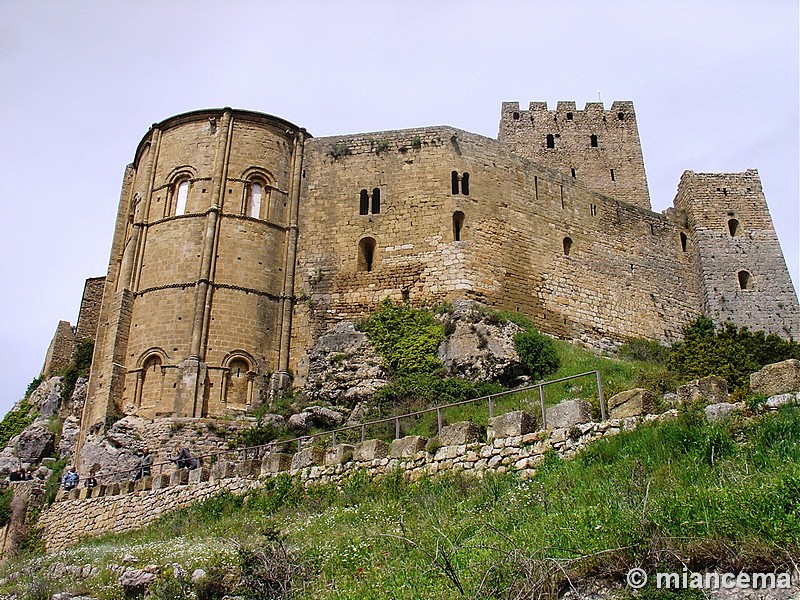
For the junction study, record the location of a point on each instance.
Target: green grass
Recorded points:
(723, 496)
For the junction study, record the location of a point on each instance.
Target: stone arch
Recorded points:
(180, 183)
(746, 280)
(258, 183)
(458, 225)
(733, 227)
(366, 254)
(237, 393)
(567, 245)
(150, 378)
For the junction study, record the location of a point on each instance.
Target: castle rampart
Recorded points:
(240, 238)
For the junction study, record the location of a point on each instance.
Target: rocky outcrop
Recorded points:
(35, 442)
(480, 347)
(709, 390)
(47, 397)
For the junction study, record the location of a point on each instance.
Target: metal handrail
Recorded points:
(245, 451)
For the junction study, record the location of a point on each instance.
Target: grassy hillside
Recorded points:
(723, 496)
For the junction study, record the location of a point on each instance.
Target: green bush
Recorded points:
(407, 338)
(728, 352)
(644, 350)
(537, 353)
(15, 421)
(427, 389)
(256, 436)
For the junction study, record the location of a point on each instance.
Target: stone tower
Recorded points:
(195, 314)
(600, 148)
(740, 267)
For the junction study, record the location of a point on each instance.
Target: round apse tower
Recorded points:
(197, 307)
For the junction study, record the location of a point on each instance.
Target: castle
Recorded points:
(240, 238)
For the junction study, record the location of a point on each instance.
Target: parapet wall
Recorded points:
(512, 445)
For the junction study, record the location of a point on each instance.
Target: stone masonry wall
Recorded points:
(740, 266)
(59, 353)
(598, 147)
(513, 444)
(86, 328)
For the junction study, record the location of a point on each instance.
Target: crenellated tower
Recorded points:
(597, 147)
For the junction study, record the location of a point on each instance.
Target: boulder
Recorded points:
(710, 390)
(458, 434)
(775, 402)
(326, 417)
(73, 406)
(569, 413)
(777, 378)
(299, 422)
(479, 348)
(35, 442)
(720, 410)
(273, 420)
(343, 367)
(510, 424)
(632, 403)
(138, 579)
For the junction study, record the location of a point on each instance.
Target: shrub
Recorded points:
(256, 436)
(537, 353)
(644, 350)
(427, 389)
(407, 338)
(15, 421)
(728, 352)
(340, 149)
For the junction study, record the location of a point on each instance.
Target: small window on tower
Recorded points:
(745, 280)
(363, 204)
(254, 209)
(458, 225)
(733, 227)
(465, 184)
(454, 182)
(515, 116)
(684, 241)
(181, 197)
(551, 141)
(569, 116)
(567, 246)
(593, 141)
(376, 201)
(366, 254)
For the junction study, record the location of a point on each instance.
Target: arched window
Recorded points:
(733, 226)
(593, 141)
(458, 225)
(238, 381)
(465, 184)
(376, 201)
(454, 184)
(181, 196)
(254, 205)
(551, 141)
(150, 389)
(684, 241)
(363, 204)
(366, 254)
(459, 183)
(567, 246)
(745, 280)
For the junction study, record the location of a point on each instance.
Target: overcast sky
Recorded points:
(715, 87)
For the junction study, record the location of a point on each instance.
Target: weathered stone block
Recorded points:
(510, 424)
(777, 378)
(249, 469)
(569, 413)
(407, 446)
(179, 477)
(457, 434)
(338, 454)
(370, 450)
(632, 403)
(775, 402)
(711, 390)
(201, 474)
(308, 457)
(126, 487)
(160, 481)
(276, 463)
(223, 469)
(112, 489)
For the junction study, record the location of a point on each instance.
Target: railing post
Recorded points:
(397, 428)
(439, 420)
(541, 401)
(600, 396)
(333, 438)
(363, 432)
(491, 406)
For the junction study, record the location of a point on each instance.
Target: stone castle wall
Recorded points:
(740, 267)
(240, 239)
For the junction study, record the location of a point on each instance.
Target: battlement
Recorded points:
(599, 147)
